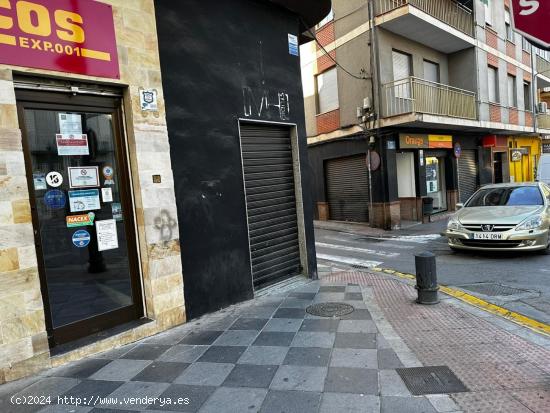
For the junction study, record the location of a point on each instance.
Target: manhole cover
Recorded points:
(330, 309)
(431, 380)
(492, 289)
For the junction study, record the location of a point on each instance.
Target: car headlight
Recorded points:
(530, 223)
(454, 225)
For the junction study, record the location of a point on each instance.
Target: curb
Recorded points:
(474, 301)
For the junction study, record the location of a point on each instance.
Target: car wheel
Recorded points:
(545, 251)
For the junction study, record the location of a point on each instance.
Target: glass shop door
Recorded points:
(82, 212)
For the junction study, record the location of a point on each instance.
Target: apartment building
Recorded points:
(447, 93)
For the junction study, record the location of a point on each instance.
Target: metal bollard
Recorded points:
(426, 279)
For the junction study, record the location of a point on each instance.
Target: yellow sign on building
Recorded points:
(524, 157)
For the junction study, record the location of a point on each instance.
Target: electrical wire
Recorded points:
(314, 36)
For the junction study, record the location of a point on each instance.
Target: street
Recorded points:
(518, 282)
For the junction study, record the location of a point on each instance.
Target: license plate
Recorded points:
(491, 236)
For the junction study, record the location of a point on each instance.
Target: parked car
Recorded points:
(543, 169)
(503, 217)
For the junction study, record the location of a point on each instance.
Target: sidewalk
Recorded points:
(270, 355)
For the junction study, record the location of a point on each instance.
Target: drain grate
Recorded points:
(330, 309)
(431, 380)
(361, 267)
(492, 289)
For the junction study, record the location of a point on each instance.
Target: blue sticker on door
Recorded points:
(81, 239)
(55, 199)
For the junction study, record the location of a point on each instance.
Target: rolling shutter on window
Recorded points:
(431, 71)
(493, 95)
(327, 87)
(401, 65)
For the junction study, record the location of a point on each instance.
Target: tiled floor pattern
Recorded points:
(504, 372)
(268, 356)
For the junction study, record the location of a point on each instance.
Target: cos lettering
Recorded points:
(48, 29)
(528, 7)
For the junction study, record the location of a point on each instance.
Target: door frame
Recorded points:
(298, 190)
(32, 99)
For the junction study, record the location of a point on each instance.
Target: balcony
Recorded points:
(543, 71)
(543, 121)
(444, 25)
(413, 95)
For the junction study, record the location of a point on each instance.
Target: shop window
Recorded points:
(327, 91)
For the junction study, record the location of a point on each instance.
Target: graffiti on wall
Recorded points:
(266, 104)
(166, 225)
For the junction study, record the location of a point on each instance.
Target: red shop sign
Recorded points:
(75, 36)
(531, 20)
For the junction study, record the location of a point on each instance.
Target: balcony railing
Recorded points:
(543, 66)
(448, 11)
(413, 95)
(543, 120)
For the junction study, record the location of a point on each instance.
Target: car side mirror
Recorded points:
(460, 205)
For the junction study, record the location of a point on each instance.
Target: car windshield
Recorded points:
(508, 196)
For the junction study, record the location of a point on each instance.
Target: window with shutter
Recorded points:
(327, 90)
(508, 24)
(527, 95)
(512, 93)
(489, 12)
(431, 71)
(401, 65)
(493, 84)
(402, 69)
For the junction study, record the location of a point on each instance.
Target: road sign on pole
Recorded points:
(530, 18)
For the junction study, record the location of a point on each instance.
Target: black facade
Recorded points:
(224, 62)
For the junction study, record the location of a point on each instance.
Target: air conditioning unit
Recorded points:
(542, 107)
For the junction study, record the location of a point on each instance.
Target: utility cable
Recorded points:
(363, 77)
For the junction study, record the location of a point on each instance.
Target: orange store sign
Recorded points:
(75, 36)
(421, 141)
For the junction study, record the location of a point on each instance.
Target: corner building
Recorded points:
(98, 190)
(452, 105)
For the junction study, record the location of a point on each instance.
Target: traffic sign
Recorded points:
(530, 18)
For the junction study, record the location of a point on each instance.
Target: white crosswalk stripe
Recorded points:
(386, 244)
(355, 249)
(349, 260)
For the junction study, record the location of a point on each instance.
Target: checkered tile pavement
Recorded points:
(266, 356)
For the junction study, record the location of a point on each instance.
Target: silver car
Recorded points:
(503, 217)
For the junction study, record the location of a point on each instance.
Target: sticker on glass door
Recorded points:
(80, 201)
(81, 239)
(84, 177)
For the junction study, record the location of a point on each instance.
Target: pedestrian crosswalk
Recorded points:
(340, 250)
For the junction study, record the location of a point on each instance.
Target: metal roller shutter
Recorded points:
(348, 189)
(271, 202)
(467, 174)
